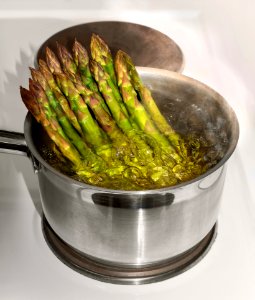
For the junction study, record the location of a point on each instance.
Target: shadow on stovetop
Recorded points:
(11, 102)
(12, 110)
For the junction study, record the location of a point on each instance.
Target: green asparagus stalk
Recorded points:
(151, 106)
(134, 145)
(71, 133)
(92, 132)
(81, 59)
(35, 102)
(68, 64)
(90, 128)
(145, 94)
(83, 115)
(116, 109)
(53, 62)
(92, 99)
(71, 70)
(31, 103)
(88, 166)
(58, 94)
(110, 127)
(135, 148)
(135, 108)
(85, 91)
(101, 50)
(106, 121)
(103, 117)
(101, 53)
(45, 108)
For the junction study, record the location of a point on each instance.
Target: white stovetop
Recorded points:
(214, 51)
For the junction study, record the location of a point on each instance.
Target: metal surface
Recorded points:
(140, 228)
(154, 48)
(156, 224)
(13, 143)
(122, 275)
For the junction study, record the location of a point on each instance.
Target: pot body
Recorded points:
(141, 228)
(131, 229)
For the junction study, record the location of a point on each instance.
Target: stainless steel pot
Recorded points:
(141, 228)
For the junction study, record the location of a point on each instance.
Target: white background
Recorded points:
(217, 39)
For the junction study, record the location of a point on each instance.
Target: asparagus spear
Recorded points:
(99, 50)
(31, 103)
(105, 120)
(45, 108)
(90, 128)
(81, 59)
(74, 137)
(115, 107)
(101, 53)
(34, 101)
(68, 64)
(135, 108)
(58, 94)
(53, 62)
(103, 117)
(70, 69)
(81, 168)
(151, 106)
(68, 88)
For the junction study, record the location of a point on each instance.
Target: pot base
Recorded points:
(127, 275)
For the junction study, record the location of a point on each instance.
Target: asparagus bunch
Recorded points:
(104, 121)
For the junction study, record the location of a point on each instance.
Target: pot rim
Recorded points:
(158, 72)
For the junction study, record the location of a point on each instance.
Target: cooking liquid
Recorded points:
(201, 154)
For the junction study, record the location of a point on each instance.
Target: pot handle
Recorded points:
(15, 143)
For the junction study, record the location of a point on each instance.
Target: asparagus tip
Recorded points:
(35, 87)
(52, 61)
(30, 102)
(42, 63)
(59, 49)
(33, 72)
(63, 52)
(49, 52)
(26, 95)
(98, 43)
